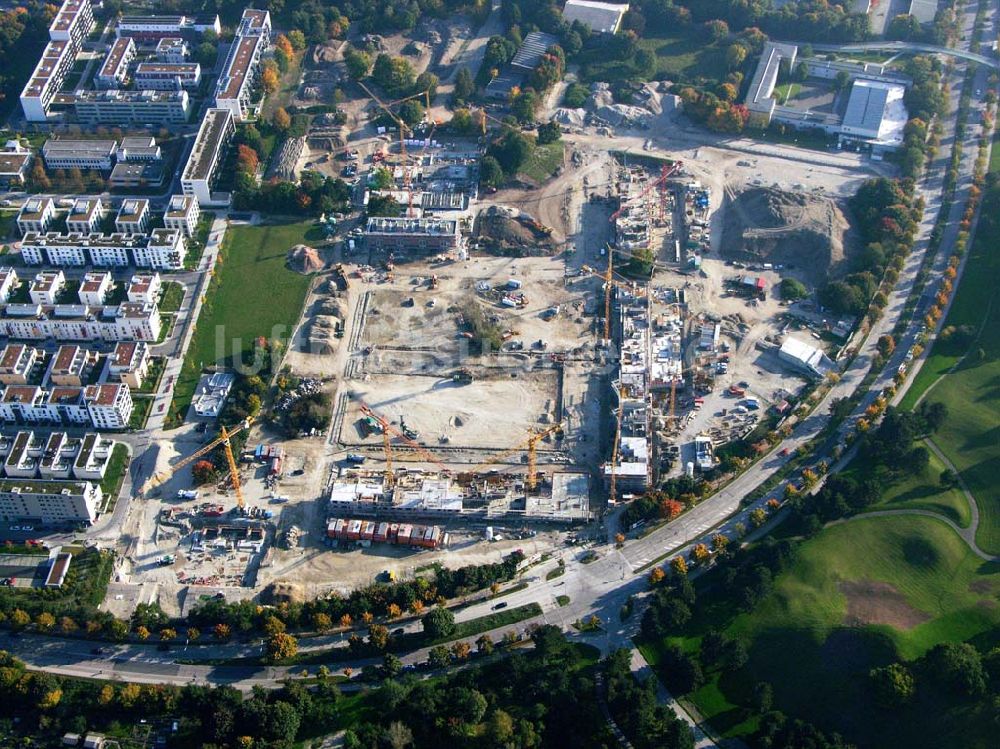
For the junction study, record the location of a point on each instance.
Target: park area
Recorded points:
(253, 294)
(861, 594)
(963, 372)
(682, 58)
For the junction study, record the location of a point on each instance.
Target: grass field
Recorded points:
(860, 594)
(787, 91)
(543, 162)
(685, 59)
(252, 294)
(970, 436)
(173, 295)
(923, 491)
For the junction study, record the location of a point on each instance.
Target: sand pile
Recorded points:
(811, 232)
(304, 259)
(507, 232)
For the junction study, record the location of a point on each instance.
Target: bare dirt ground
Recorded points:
(810, 232)
(871, 602)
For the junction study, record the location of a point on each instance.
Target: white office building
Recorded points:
(201, 170)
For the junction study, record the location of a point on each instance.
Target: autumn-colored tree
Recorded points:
(346, 621)
(417, 607)
(619, 538)
(347, 672)
(193, 633)
(720, 541)
(758, 517)
(461, 650)
(394, 611)
(204, 472)
(656, 575)
(281, 646)
(269, 80)
(20, 618)
(772, 504)
(106, 696)
(670, 509)
(378, 636)
(247, 160)
(367, 617)
(273, 625)
(321, 622)
(281, 120)
(494, 588)
(284, 44)
(168, 633)
(484, 644)
(222, 631)
(142, 633)
(67, 625)
(679, 565)
(700, 552)
(45, 621)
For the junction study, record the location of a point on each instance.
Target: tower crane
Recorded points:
(665, 174)
(389, 431)
(223, 439)
(610, 281)
(531, 445)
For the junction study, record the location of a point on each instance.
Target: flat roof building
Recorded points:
(235, 86)
(153, 28)
(163, 249)
(85, 216)
(182, 214)
(126, 107)
(433, 234)
(144, 288)
(16, 363)
(602, 18)
(49, 501)
(167, 76)
(171, 49)
(37, 214)
(70, 26)
(133, 216)
(114, 69)
(201, 170)
(67, 153)
(137, 174)
(95, 286)
(15, 160)
(875, 113)
(77, 322)
(805, 358)
(139, 148)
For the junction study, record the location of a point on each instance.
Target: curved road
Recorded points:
(931, 49)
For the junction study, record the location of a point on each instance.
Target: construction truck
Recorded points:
(462, 376)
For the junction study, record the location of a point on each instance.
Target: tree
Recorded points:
(958, 666)
(282, 120)
(439, 657)
(297, 39)
(490, 173)
(484, 645)
(222, 632)
(118, 630)
(321, 622)
(394, 74)
(549, 132)
(792, 289)
(641, 262)
(716, 30)
(381, 179)
(894, 685)
(67, 625)
(511, 150)
(464, 86)
(842, 80)
(735, 55)
(391, 665)
(411, 112)
(193, 633)
(168, 633)
(273, 625)
(763, 697)
(45, 621)
(656, 575)
(398, 736)
(247, 160)
(759, 516)
(142, 633)
(461, 650)
(679, 566)
(378, 636)
(281, 646)
(269, 80)
(358, 63)
(438, 623)
(886, 345)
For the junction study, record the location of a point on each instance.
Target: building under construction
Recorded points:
(563, 496)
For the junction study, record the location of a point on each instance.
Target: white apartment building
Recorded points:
(85, 216)
(16, 363)
(50, 501)
(55, 455)
(9, 281)
(46, 286)
(235, 86)
(95, 287)
(133, 107)
(60, 153)
(69, 365)
(163, 249)
(182, 214)
(144, 288)
(137, 148)
(77, 322)
(114, 69)
(167, 76)
(129, 363)
(171, 49)
(109, 405)
(201, 170)
(70, 26)
(37, 214)
(133, 216)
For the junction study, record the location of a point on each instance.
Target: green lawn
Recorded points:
(923, 491)
(915, 584)
(970, 436)
(173, 295)
(114, 476)
(252, 294)
(995, 153)
(140, 413)
(196, 247)
(682, 58)
(543, 162)
(787, 91)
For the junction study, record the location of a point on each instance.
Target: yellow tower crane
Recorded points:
(388, 431)
(531, 446)
(223, 439)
